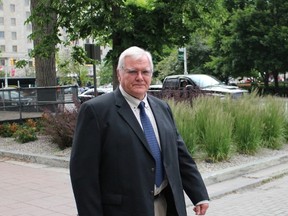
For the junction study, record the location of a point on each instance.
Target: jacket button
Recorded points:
(153, 169)
(152, 192)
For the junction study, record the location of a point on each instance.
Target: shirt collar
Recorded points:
(134, 102)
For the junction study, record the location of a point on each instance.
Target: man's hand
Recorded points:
(201, 209)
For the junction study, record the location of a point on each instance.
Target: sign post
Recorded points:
(93, 52)
(182, 56)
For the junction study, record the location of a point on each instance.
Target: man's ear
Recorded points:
(118, 75)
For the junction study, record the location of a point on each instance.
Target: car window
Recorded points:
(204, 81)
(14, 95)
(171, 83)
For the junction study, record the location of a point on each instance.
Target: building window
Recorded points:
(14, 48)
(2, 61)
(13, 21)
(14, 35)
(1, 20)
(30, 63)
(2, 34)
(12, 7)
(2, 48)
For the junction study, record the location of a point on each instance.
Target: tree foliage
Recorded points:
(253, 38)
(149, 24)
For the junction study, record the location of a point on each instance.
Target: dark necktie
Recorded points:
(153, 143)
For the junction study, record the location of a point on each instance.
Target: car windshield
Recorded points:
(203, 80)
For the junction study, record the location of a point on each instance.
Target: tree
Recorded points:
(105, 73)
(151, 24)
(254, 38)
(44, 24)
(70, 71)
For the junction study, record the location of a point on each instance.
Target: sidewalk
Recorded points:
(41, 185)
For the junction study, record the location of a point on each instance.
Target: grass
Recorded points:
(218, 128)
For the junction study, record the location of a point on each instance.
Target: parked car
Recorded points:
(10, 98)
(88, 94)
(198, 82)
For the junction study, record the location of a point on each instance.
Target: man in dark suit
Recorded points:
(113, 167)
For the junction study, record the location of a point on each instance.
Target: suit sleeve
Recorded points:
(84, 162)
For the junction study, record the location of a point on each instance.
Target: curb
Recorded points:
(209, 178)
(233, 172)
(52, 161)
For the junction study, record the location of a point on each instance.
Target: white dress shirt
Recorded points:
(134, 102)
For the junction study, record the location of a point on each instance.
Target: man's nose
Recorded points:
(139, 74)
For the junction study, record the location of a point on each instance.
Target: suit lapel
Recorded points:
(128, 116)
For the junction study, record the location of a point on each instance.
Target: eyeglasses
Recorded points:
(133, 72)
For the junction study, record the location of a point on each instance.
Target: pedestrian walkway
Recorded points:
(269, 199)
(29, 189)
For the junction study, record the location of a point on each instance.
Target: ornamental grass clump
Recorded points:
(215, 128)
(247, 126)
(274, 123)
(185, 121)
(286, 125)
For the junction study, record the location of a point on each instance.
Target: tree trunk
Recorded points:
(44, 63)
(45, 71)
(116, 45)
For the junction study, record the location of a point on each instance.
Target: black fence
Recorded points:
(23, 103)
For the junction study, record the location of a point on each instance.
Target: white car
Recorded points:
(88, 94)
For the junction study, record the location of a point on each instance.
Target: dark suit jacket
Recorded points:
(112, 168)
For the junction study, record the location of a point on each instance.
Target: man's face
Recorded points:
(136, 76)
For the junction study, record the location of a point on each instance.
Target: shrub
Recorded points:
(8, 129)
(60, 127)
(25, 134)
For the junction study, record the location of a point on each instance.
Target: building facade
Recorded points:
(14, 42)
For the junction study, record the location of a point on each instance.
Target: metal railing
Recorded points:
(19, 103)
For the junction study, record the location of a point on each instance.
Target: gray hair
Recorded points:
(136, 53)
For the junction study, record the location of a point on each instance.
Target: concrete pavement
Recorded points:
(29, 189)
(43, 187)
(269, 199)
